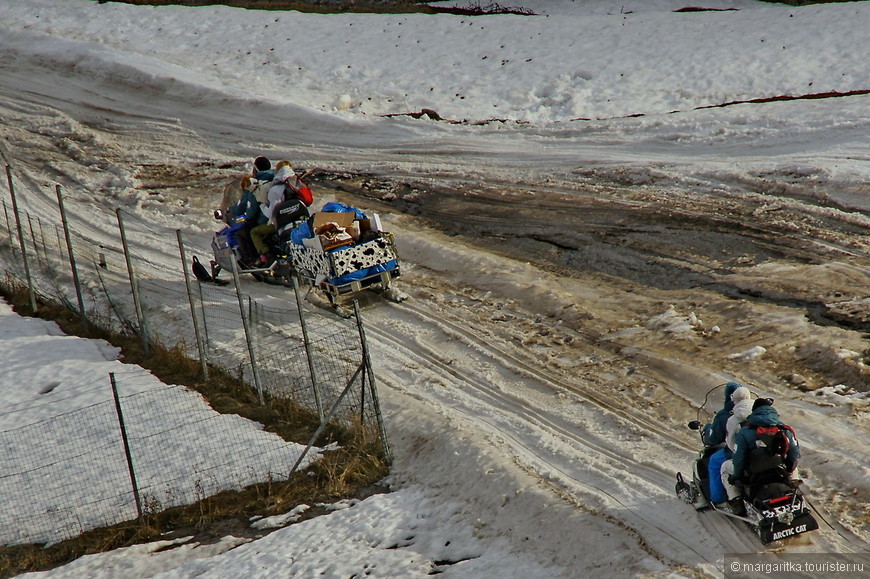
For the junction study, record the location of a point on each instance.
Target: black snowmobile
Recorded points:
(774, 505)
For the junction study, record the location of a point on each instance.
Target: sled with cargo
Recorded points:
(338, 250)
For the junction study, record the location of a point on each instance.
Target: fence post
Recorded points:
(8, 225)
(126, 445)
(206, 339)
(72, 259)
(308, 350)
(329, 416)
(196, 331)
(367, 361)
(140, 316)
(254, 366)
(35, 240)
(21, 240)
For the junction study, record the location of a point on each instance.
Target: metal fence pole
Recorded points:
(308, 350)
(21, 240)
(253, 356)
(8, 225)
(72, 259)
(140, 316)
(206, 339)
(199, 344)
(329, 416)
(126, 444)
(367, 361)
(35, 240)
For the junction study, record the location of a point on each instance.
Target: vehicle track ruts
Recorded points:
(731, 534)
(589, 450)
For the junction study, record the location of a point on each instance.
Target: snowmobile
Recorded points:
(774, 505)
(339, 251)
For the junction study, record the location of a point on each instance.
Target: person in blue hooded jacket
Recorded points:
(248, 208)
(763, 414)
(714, 433)
(742, 402)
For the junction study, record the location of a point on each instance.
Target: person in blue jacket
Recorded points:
(248, 208)
(714, 433)
(742, 406)
(262, 170)
(747, 439)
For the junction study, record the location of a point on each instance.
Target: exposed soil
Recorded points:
(725, 255)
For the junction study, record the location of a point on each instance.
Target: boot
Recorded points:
(737, 506)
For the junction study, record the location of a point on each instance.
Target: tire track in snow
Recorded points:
(600, 461)
(732, 536)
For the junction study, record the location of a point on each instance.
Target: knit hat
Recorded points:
(741, 393)
(761, 402)
(742, 404)
(262, 164)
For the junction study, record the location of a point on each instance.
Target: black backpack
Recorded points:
(768, 460)
(774, 440)
(288, 212)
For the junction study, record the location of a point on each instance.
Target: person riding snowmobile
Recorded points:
(714, 433)
(751, 459)
(741, 399)
(285, 178)
(248, 208)
(262, 170)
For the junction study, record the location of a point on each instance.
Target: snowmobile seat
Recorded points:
(773, 493)
(765, 470)
(287, 214)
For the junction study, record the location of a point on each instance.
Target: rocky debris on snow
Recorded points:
(842, 395)
(673, 322)
(839, 365)
(852, 312)
(748, 355)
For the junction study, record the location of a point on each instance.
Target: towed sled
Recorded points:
(774, 505)
(339, 251)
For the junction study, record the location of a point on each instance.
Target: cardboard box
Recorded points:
(347, 221)
(335, 229)
(340, 219)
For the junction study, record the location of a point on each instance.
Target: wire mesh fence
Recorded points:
(130, 276)
(151, 447)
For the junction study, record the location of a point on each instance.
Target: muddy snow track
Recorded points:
(633, 490)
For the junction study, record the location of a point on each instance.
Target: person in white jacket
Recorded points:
(742, 409)
(283, 173)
